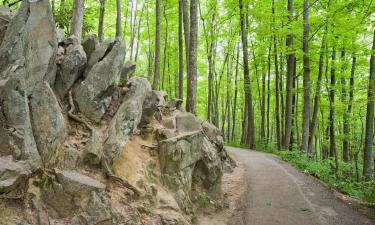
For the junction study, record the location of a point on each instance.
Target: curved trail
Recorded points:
(278, 194)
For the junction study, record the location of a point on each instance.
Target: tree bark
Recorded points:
(118, 18)
(345, 127)
(306, 78)
(248, 95)
(165, 47)
(180, 51)
(155, 84)
(101, 20)
(235, 94)
(186, 18)
(77, 19)
(191, 103)
(332, 130)
(369, 136)
(289, 81)
(317, 93)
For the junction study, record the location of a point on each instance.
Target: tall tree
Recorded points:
(369, 136)
(191, 102)
(332, 130)
(101, 20)
(180, 51)
(306, 77)
(186, 18)
(248, 95)
(118, 18)
(155, 84)
(77, 18)
(289, 80)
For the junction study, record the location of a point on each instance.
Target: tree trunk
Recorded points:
(155, 84)
(180, 52)
(269, 93)
(289, 81)
(101, 20)
(118, 18)
(332, 130)
(191, 102)
(165, 48)
(306, 78)
(317, 93)
(248, 95)
(345, 127)
(186, 18)
(235, 94)
(77, 19)
(139, 33)
(369, 136)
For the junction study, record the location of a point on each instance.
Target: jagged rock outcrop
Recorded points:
(30, 45)
(70, 66)
(127, 118)
(48, 123)
(16, 133)
(83, 142)
(94, 93)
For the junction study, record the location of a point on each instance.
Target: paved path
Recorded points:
(278, 194)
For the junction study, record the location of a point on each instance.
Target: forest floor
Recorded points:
(275, 193)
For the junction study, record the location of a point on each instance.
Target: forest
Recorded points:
(291, 77)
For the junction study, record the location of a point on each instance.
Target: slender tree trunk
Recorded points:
(248, 95)
(165, 47)
(191, 102)
(263, 109)
(186, 18)
(306, 78)
(101, 20)
(317, 93)
(139, 33)
(180, 52)
(332, 130)
(369, 136)
(351, 93)
(118, 18)
(345, 127)
(149, 46)
(268, 93)
(235, 94)
(289, 81)
(155, 84)
(77, 19)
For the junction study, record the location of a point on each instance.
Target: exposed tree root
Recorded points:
(77, 118)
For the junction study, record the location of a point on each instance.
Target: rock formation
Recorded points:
(84, 142)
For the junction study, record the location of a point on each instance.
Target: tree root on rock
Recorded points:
(77, 118)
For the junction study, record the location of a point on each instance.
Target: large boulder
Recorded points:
(30, 44)
(128, 116)
(96, 52)
(70, 66)
(93, 95)
(13, 175)
(16, 133)
(48, 123)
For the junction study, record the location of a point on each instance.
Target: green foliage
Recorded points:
(324, 170)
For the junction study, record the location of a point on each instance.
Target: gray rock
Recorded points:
(75, 183)
(30, 43)
(13, 175)
(96, 212)
(213, 133)
(96, 52)
(127, 117)
(48, 123)
(154, 102)
(90, 44)
(127, 71)
(93, 95)
(5, 18)
(16, 133)
(60, 35)
(187, 122)
(94, 151)
(70, 67)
